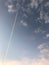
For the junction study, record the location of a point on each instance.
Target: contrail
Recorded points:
(10, 36)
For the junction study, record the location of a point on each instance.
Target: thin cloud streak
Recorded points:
(9, 43)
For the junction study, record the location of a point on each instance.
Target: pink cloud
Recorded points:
(26, 61)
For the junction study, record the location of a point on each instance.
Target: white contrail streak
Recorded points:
(10, 37)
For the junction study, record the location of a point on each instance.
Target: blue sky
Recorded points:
(24, 32)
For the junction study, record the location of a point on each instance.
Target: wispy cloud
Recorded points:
(47, 35)
(24, 23)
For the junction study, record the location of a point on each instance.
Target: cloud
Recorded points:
(39, 30)
(41, 46)
(26, 61)
(41, 14)
(10, 62)
(10, 8)
(34, 3)
(24, 23)
(40, 1)
(46, 17)
(44, 49)
(47, 4)
(47, 35)
(41, 61)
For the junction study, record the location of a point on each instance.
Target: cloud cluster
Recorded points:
(35, 3)
(10, 8)
(39, 30)
(12, 4)
(44, 8)
(44, 50)
(44, 16)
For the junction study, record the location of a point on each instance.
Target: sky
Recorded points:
(24, 32)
